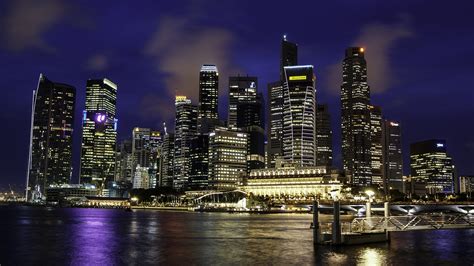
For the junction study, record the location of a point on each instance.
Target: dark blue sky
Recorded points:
(420, 60)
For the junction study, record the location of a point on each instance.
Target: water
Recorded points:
(42, 236)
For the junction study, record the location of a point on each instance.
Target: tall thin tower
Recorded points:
(355, 116)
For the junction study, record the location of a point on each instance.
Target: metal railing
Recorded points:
(411, 222)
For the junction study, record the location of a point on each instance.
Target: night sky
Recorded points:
(420, 58)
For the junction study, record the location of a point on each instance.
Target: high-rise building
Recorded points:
(355, 118)
(430, 163)
(141, 149)
(242, 89)
(185, 131)
(141, 178)
(392, 156)
(167, 161)
(124, 162)
(288, 57)
(99, 133)
(275, 127)
(227, 158)
(208, 116)
(52, 122)
(156, 146)
(323, 136)
(199, 150)
(299, 116)
(376, 159)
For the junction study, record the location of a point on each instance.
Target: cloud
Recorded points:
(378, 40)
(27, 20)
(97, 62)
(180, 48)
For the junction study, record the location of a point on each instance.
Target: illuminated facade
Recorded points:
(156, 148)
(185, 131)
(99, 133)
(227, 158)
(301, 182)
(275, 127)
(299, 116)
(124, 162)
(355, 118)
(323, 136)
(167, 161)
(199, 152)
(392, 156)
(241, 90)
(52, 121)
(208, 117)
(141, 178)
(430, 163)
(288, 57)
(146, 150)
(376, 159)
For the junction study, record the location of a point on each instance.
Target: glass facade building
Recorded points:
(99, 133)
(430, 164)
(323, 136)
(355, 118)
(299, 116)
(50, 151)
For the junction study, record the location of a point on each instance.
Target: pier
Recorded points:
(371, 229)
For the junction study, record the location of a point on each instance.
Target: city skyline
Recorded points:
(411, 131)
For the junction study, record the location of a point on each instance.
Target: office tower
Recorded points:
(141, 178)
(355, 118)
(124, 164)
(241, 89)
(250, 119)
(227, 158)
(392, 156)
(141, 150)
(289, 55)
(376, 159)
(299, 116)
(185, 131)
(99, 133)
(323, 136)
(430, 163)
(50, 151)
(156, 146)
(275, 127)
(199, 150)
(208, 116)
(167, 161)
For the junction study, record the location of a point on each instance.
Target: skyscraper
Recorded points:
(141, 149)
(376, 159)
(52, 121)
(323, 136)
(392, 156)
(99, 133)
(275, 127)
(227, 158)
(242, 89)
(288, 57)
(430, 164)
(124, 162)
(208, 116)
(299, 116)
(355, 117)
(167, 161)
(185, 131)
(156, 148)
(199, 150)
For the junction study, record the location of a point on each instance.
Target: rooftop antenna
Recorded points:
(164, 126)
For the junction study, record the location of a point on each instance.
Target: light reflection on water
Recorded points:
(114, 237)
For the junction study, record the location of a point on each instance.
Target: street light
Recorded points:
(370, 193)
